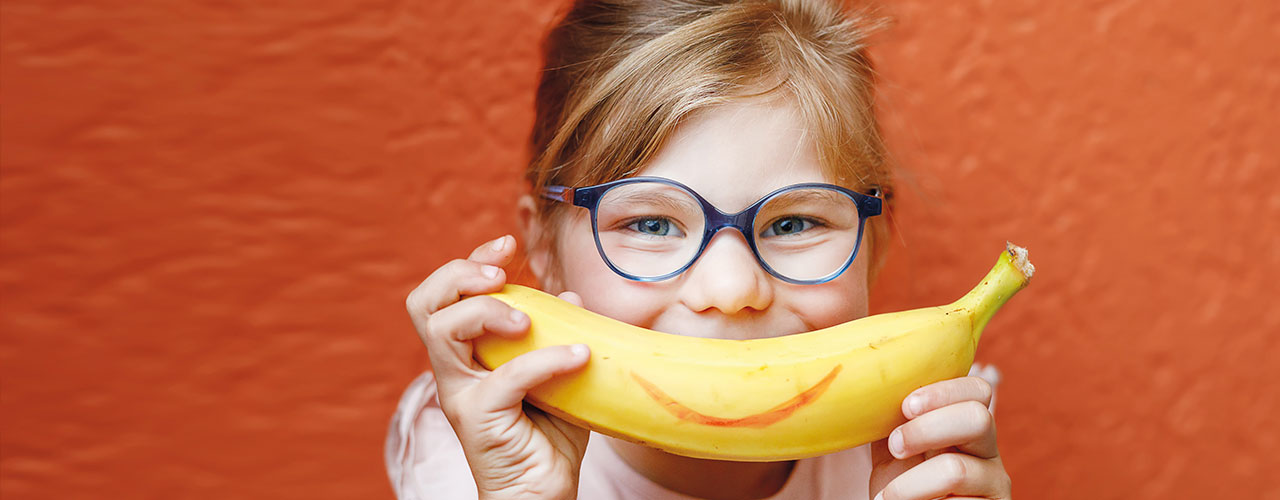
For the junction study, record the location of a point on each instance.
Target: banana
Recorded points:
(766, 399)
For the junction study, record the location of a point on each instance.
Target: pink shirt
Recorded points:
(425, 461)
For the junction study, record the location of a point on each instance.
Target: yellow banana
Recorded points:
(753, 400)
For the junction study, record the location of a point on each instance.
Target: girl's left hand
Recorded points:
(946, 449)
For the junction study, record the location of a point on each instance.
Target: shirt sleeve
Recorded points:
(423, 456)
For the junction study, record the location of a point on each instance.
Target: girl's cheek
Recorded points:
(583, 271)
(627, 301)
(838, 301)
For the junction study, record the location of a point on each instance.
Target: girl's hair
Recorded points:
(620, 75)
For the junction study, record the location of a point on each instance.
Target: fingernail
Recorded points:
(517, 316)
(580, 350)
(915, 404)
(895, 443)
(489, 271)
(498, 244)
(880, 496)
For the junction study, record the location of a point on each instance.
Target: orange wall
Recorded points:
(213, 210)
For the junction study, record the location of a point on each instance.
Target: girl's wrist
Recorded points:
(527, 496)
(519, 493)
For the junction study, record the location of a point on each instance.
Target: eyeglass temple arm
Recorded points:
(871, 205)
(558, 193)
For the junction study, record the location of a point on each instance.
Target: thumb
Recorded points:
(508, 384)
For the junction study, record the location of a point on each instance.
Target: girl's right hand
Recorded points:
(512, 452)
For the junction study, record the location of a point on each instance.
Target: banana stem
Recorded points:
(1011, 273)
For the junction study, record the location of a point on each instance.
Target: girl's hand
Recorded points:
(513, 452)
(947, 448)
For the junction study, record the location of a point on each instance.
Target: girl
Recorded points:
(663, 116)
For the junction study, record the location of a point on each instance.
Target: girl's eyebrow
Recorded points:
(798, 197)
(661, 200)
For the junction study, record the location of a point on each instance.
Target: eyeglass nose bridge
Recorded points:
(716, 220)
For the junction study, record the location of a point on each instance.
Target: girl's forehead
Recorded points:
(735, 153)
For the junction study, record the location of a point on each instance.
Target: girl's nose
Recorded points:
(727, 277)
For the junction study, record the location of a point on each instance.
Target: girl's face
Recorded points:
(732, 155)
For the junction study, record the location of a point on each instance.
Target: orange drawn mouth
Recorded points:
(762, 419)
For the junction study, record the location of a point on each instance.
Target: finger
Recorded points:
(474, 316)
(497, 252)
(438, 290)
(450, 331)
(937, 451)
(508, 384)
(967, 425)
(950, 474)
(571, 298)
(944, 393)
(449, 283)
(885, 467)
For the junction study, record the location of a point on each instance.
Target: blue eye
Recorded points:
(654, 226)
(787, 226)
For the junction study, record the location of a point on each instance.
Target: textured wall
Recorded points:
(211, 212)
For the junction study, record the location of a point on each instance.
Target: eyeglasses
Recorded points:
(653, 228)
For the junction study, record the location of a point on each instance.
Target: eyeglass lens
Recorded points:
(650, 229)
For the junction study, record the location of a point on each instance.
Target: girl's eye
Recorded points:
(788, 226)
(655, 226)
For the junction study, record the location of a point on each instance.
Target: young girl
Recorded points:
(699, 108)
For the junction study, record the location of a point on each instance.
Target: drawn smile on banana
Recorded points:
(762, 419)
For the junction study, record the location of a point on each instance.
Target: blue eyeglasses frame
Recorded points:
(589, 197)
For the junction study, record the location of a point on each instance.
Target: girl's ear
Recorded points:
(537, 240)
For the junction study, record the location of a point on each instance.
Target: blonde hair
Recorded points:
(620, 75)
